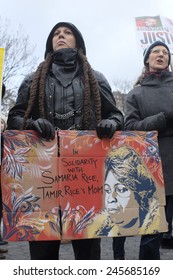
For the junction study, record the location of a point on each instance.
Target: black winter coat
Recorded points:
(145, 108)
(64, 99)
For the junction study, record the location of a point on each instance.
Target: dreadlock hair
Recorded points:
(91, 89)
(38, 87)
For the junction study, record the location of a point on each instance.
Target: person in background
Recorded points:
(167, 238)
(65, 93)
(149, 106)
(3, 126)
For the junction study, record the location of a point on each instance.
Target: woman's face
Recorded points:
(117, 198)
(63, 38)
(117, 195)
(158, 58)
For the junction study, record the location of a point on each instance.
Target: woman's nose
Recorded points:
(113, 198)
(61, 35)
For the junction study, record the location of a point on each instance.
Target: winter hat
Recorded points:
(79, 39)
(148, 50)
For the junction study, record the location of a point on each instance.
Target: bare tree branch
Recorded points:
(19, 55)
(123, 86)
(19, 59)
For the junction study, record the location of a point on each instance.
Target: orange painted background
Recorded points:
(55, 189)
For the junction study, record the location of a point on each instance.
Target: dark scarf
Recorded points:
(157, 73)
(65, 65)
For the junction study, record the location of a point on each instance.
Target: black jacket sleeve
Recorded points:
(134, 121)
(108, 103)
(16, 114)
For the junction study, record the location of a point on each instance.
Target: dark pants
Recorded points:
(149, 247)
(84, 249)
(87, 249)
(44, 250)
(119, 247)
(169, 215)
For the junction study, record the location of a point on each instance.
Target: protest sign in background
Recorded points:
(152, 28)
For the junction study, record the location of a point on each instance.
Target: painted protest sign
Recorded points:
(78, 186)
(152, 28)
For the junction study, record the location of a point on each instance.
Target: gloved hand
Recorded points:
(106, 128)
(44, 128)
(169, 118)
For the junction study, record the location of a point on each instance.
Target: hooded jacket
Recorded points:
(79, 38)
(146, 105)
(64, 96)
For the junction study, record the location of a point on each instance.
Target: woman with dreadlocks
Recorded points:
(65, 93)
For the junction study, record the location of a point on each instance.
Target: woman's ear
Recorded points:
(147, 61)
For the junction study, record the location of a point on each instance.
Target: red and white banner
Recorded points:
(153, 28)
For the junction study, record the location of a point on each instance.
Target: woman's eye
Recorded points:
(107, 189)
(122, 189)
(68, 32)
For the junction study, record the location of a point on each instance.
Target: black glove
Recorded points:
(106, 128)
(169, 118)
(44, 128)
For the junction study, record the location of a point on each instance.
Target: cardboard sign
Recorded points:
(154, 28)
(78, 186)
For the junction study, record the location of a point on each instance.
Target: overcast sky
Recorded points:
(107, 26)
